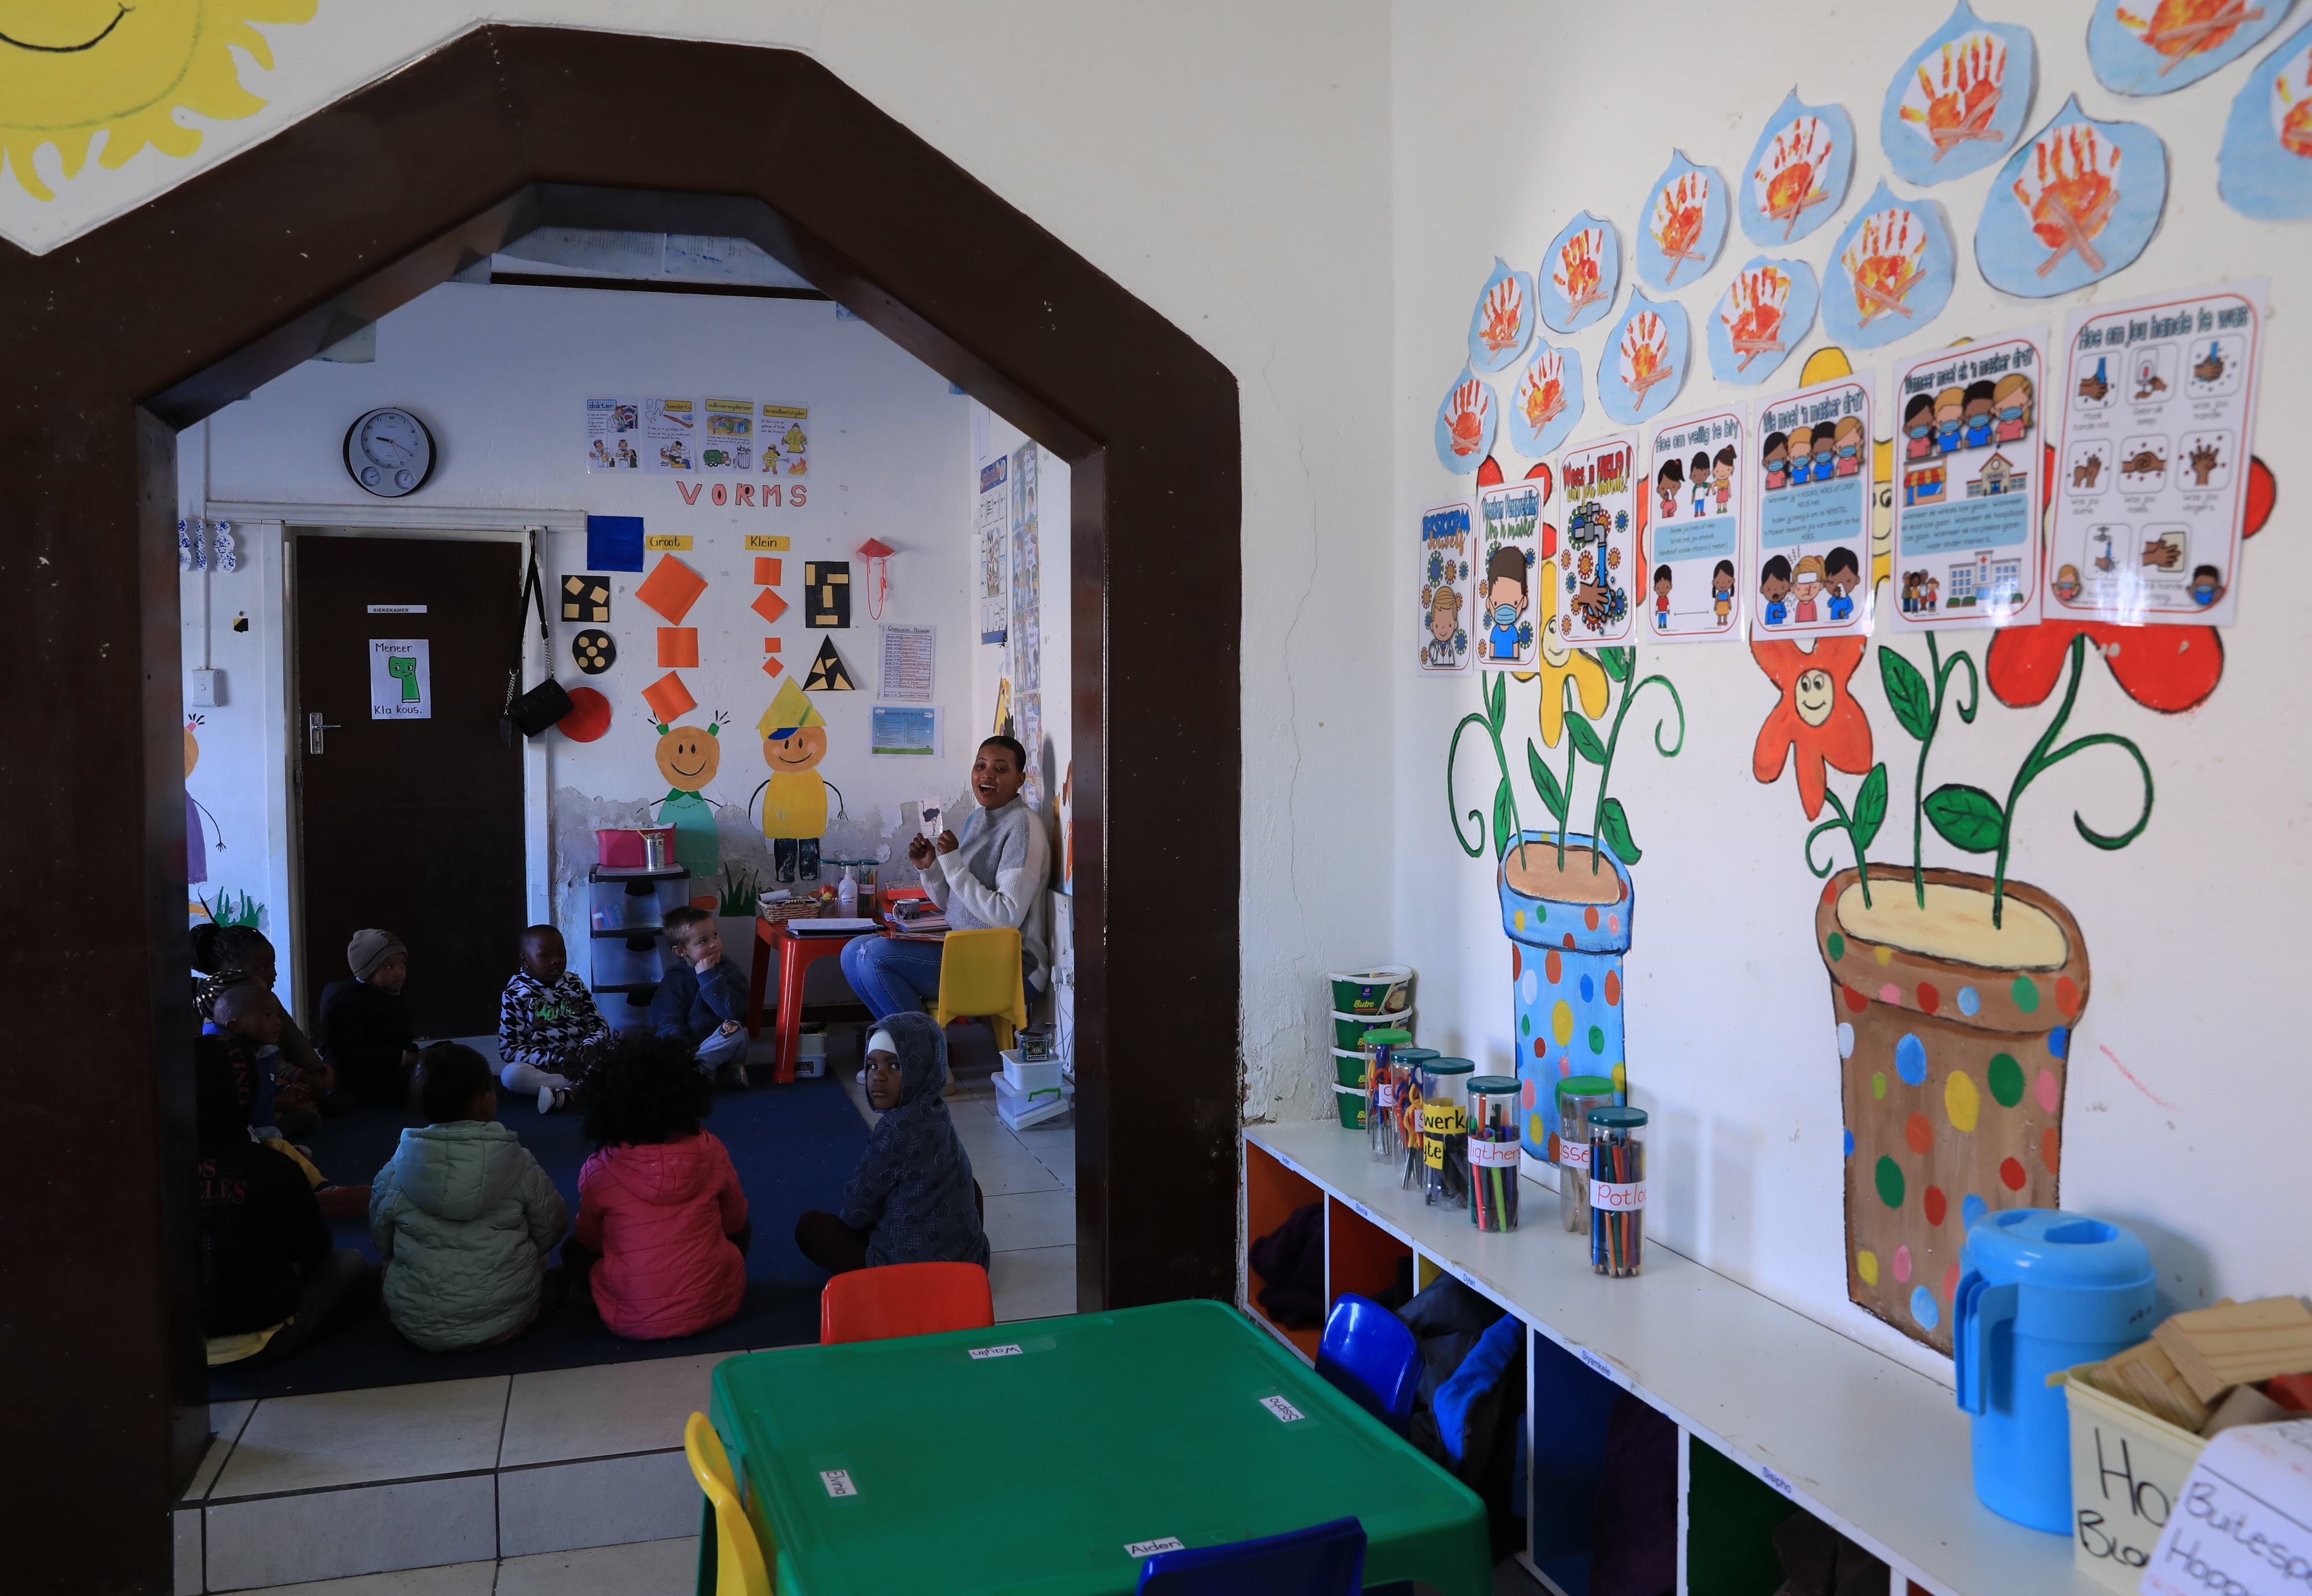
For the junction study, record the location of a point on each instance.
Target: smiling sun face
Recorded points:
(70, 69)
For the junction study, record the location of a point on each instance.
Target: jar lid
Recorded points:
(1494, 1085)
(1413, 1056)
(1387, 1039)
(1449, 1066)
(1613, 1116)
(1586, 1086)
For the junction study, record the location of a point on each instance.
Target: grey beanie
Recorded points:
(369, 949)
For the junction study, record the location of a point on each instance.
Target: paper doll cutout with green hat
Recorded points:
(688, 756)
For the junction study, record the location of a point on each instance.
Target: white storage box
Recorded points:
(810, 1052)
(1020, 1107)
(1031, 1074)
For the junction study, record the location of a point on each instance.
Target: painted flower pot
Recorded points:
(1568, 931)
(1952, 1038)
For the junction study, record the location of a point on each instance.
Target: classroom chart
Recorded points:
(1968, 459)
(1695, 508)
(1810, 564)
(721, 436)
(2158, 416)
(1599, 550)
(1511, 516)
(1444, 612)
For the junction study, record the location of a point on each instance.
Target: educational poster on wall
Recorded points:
(784, 432)
(2157, 47)
(1599, 549)
(1025, 568)
(729, 440)
(908, 656)
(1444, 582)
(1509, 516)
(1693, 529)
(721, 436)
(1959, 100)
(2159, 418)
(992, 522)
(903, 732)
(1967, 457)
(613, 426)
(400, 679)
(669, 435)
(2077, 203)
(1028, 726)
(1814, 512)
(2266, 167)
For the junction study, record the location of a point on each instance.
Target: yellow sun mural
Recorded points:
(70, 69)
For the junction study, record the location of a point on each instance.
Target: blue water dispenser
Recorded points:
(2043, 1291)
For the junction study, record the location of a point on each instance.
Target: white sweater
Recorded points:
(997, 877)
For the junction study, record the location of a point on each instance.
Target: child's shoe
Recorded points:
(551, 1098)
(732, 1077)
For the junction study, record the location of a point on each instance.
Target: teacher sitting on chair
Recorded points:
(993, 877)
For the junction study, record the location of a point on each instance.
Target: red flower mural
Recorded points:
(1817, 719)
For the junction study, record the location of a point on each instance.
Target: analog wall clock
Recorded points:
(389, 453)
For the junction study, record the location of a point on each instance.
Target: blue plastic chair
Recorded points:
(1368, 1352)
(1324, 1560)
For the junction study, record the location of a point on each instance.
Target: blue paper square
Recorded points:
(614, 542)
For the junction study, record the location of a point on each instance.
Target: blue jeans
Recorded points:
(891, 977)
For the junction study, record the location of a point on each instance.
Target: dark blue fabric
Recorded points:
(891, 977)
(913, 1186)
(690, 1008)
(1473, 1380)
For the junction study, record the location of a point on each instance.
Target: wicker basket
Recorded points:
(791, 908)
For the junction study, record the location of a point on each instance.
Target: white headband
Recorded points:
(882, 1042)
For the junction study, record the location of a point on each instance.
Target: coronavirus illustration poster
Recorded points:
(1810, 570)
(1599, 549)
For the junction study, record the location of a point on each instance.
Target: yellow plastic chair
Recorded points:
(980, 977)
(742, 1563)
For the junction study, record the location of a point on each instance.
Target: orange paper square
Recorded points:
(771, 667)
(671, 589)
(679, 646)
(769, 606)
(767, 571)
(669, 700)
(770, 645)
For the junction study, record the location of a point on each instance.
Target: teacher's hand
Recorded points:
(947, 842)
(920, 851)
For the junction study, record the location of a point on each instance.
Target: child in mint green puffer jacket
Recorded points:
(463, 1216)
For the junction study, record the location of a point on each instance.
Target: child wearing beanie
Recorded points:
(365, 1030)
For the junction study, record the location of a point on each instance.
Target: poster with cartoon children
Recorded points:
(2158, 406)
(1446, 612)
(1696, 503)
(1509, 517)
(1966, 485)
(1599, 550)
(1809, 566)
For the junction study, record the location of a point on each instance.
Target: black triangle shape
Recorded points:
(827, 672)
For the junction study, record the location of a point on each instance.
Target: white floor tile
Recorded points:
(456, 1579)
(282, 1541)
(604, 1410)
(1003, 1166)
(1037, 1284)
(606, 1502)
(649, 1568)
(186, 1527)
(336, 1438)
(1031, 1219)
(225, 1422)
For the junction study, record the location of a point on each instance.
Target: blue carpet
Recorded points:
(793, 1146)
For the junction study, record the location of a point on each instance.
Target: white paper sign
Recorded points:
(837, 1482)
(400, 680)
(908, 659)
(2243, 1526)
(1284, 1411)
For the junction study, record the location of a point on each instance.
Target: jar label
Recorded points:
(1572, 1155)
(1617, 1197)
(1432, 1152)
(1387, 1094)
(1493, 1155)
(1444, 1119)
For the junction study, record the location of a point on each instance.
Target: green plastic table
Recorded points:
(1049, 1457)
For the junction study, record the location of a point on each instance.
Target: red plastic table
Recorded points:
(796, 954)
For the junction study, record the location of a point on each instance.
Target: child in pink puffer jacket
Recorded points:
(661, 1242)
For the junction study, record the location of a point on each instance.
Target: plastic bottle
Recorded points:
(846, 896)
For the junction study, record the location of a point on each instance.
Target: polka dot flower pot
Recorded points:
(1565, 967)
(1952, 1079)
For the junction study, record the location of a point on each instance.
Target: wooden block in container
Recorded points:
(2144, 1377)
(2246, 1406)
(2238, 1343)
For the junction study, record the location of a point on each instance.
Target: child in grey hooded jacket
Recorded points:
(463, 1216)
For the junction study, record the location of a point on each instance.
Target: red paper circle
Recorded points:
(588, 716)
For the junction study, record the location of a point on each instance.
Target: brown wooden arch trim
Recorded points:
(111, 343)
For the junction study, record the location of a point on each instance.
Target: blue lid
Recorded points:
(2048, 1250)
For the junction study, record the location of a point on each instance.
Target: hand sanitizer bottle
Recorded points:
(846, 896)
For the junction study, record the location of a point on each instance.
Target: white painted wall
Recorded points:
(2192, 932)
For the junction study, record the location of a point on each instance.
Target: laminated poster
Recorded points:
(1760, 318)
(614, 427)
(783, 435)
(1685, 225)
(2074, 205)
(669, 435)
(2156, 47)
(992, 518)
(1509, 516)
(1698, 498)
(1466, 422)
(1581, 273)
(1808, 566)
(1445, 611)
(1959, 102)
(1644, 362)
(1798, 175)
(1501, 325)
(400, 679)
(1547, 404)
(722, 435)
(2265, 169)
(1968, 457)
(1889, 273)
(727, 441)
(2159, 418)
(1600, 549)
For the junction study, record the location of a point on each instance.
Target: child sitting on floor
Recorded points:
(912, 1200)
(230, 956)
(365, 1030)
(548, 1027)
(703, 999)
(243, 1036)
(463, 1216)
(662, 1227)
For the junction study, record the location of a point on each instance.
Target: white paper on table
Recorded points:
(2244, 1524)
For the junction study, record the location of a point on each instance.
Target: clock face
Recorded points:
(390, 452)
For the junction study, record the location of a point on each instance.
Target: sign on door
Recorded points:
(401, 682)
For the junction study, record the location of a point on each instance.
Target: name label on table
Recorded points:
(1359, 1209)
(1009, 1350)
(1595, 1362)
(1149, 1549)
(837, 1482)
(1775, 1480)
(1284, 1411)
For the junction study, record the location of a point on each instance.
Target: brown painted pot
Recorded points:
(1951, 1075)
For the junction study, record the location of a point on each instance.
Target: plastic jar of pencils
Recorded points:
(1445, 1132)
(1493, 1140)
(1618, 1190)
(1576, 1096)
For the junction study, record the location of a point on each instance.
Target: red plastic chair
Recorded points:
(904, 1300)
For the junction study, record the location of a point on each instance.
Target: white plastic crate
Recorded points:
(1019, 1107)
(1031, 1074)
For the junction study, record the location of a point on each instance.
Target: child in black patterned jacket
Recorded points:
(548, 1028)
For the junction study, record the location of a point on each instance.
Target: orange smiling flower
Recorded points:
(1818, 716)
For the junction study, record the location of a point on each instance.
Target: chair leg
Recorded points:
(790, 1031)
(756, 982)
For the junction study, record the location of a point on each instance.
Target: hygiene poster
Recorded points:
(1597, 555)
(1510, 514)
(1966, 485)
(990, 520)
(1696, 500)
(1810, 563)
(400, 679)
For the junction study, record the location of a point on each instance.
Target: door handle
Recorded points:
(314, 726)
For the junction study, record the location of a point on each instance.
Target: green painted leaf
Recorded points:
(1614, 826)
(1545, 782)
(1504, 818)
(1497, 701)
(1619, 663)
(1907, 691)
(1966, 818)
(1870, 809)
(1586, 740)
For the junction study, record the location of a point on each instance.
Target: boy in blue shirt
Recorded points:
(703, 1000)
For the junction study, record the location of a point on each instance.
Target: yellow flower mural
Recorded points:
(1559, 664)
(70, 69)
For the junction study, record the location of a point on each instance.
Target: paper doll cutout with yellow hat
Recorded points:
(794, 740)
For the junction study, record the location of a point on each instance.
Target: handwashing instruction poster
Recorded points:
(1966, 489)
(1696, 498)
(1810, 566)
(1598, 551)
